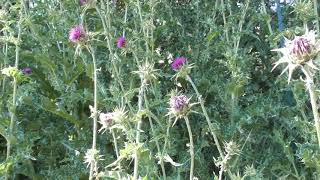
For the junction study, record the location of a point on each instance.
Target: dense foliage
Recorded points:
(264, 125)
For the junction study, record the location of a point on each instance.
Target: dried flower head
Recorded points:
(76, 34)
(147, 71)
(94, 112)
(121, 42)
(92, 156)
(27, 71)
(179, 105)
(119, 115)
(177, 63)
(299, 52)
(10, 71)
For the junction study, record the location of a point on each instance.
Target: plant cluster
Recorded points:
(159, 89)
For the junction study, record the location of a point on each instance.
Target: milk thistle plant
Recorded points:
(84, 89)
(77, 35)
(183, 70)
(179, 108)
(300, 53)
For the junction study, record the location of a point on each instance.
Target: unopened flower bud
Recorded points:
(106, 120)
(301, 47)
(179, 104)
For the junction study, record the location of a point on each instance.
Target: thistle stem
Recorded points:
(268, 20)
(115, 142)
(156, 140)
(14, 93)
(215, 138)
(106, 23)
(136, 156)
(6, 59)
(224, 21)
(315, 7)
(223, 167)
(95, 106)
(206, 115)
(167, 137)
(191, 147)
(313, 100)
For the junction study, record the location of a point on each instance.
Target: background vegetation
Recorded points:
(266, 122)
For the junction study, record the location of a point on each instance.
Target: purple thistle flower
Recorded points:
(178, 103)
(83, 2)
(177, 63)
(121, 42)
(301, 46)
(76, 33)
(27, 71)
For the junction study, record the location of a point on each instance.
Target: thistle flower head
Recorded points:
(177, 63)
(301, 47)
(76, 34)
(106, 120)
(27, 71)
(179, 105)
(298, 52)
(121, 42)
(83, 2)
(112, 120)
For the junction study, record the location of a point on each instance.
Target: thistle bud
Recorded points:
(27, 71)
(106, 119)
(299, 53)
(83, 2)
(301, 47)
(179, 104)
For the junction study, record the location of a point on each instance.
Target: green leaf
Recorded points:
(48, 105)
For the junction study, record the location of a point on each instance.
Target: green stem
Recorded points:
(224, 21)
(125, 21)
(241, 22)
(140, 107)
(95, 106)
(295, 169)
(223, 167)
(5, 52)
(215, 138)
(115, 143)
(313, 100)
(234, 102)
(264, 9)
(315, 7)
(14, 93)
(167, 137)
(206, 115)
(156, 140)
(191, 147)
(107, 26)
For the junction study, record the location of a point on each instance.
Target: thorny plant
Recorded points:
(85, 87)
